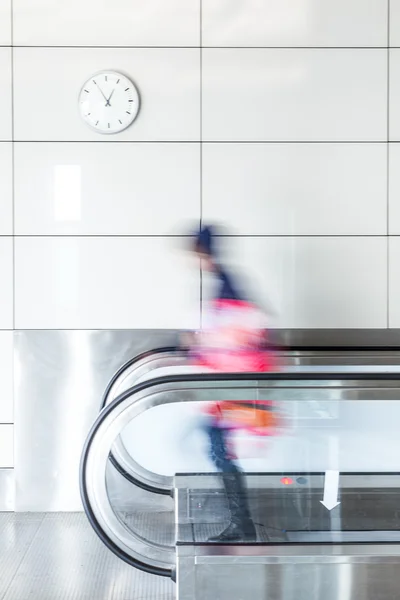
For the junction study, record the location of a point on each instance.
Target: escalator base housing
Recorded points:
(359, 572)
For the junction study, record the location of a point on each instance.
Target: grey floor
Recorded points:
(57, 556)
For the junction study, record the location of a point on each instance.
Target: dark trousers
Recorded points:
(231, 475)
(218, 450)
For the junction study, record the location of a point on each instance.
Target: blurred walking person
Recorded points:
(233, 339)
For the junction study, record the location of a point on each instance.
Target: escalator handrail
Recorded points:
(176, 349)
(132, 361)
(136, 360)
(140, 361)
(193, 378)
(159, 353)
(270, 376)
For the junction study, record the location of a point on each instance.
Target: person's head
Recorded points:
(203, 246)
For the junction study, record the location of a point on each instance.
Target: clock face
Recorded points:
(109, 102)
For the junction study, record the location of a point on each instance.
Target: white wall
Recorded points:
(273, 116)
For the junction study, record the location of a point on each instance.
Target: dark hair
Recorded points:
(204, 241)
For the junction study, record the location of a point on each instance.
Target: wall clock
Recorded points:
(109, 102)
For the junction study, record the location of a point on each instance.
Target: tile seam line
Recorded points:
(194, 47)
(174, 329)
(178, 328)
(388, 172)
(210, 142)
(201, 316)
(139, 236)
(12, 166)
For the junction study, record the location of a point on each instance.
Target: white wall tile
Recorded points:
(6, 377)
(168, 81)
(294, 95)
(394, 95)
(104, 283)
(5, 94)
(295, 23)
(316, 282)
(76, 188)
(5, 188)
(296, 189)
(395, 22)
(5, 22)
(6, 446)
(117, 23)
(394, 282)
(6, 283)
(394, 189)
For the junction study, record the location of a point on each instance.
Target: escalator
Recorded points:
(295, 359)
(171, 360)
(336, 422)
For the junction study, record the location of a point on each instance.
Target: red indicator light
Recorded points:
(287, 481)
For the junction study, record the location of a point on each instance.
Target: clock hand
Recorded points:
(108, 101)
(102, 93)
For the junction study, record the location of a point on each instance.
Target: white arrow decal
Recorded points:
(331, 489)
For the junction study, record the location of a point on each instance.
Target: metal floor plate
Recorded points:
(57, 556)
(158, 527)
(17, 533)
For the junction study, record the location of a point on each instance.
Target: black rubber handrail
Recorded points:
(193, 378)
(130, 363)
(342, 348)
(147, 487)
(177, 349)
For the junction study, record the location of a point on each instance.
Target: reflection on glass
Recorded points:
(149, 517)
(293, 487)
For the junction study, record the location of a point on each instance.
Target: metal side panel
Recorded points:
(7, 490)
(356, 573)
(60, 377)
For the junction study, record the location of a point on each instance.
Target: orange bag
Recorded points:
(259, 417)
